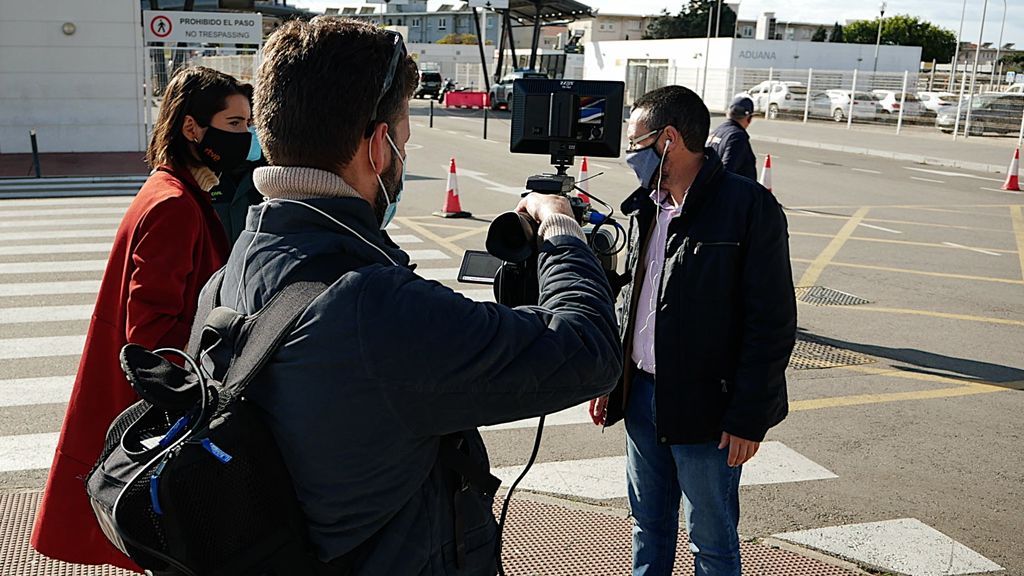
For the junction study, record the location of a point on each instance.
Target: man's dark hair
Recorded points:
(679, 107)
(317, 88)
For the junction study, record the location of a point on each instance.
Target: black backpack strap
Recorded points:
(208, 301)
(264, 332)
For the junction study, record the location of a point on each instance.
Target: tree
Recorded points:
(837, 34)
(936, 43)
(460, 39)
(1013, 62)
(692, 21)
(820, 35)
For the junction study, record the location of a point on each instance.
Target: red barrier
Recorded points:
(467, 100)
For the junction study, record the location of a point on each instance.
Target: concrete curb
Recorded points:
(891, 155)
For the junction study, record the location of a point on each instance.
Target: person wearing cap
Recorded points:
(732, 142)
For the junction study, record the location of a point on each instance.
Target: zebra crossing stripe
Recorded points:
(604, 478)
(67, 202)
(59, 266)
(416, 255)
(41, 288)
(27, 451)
(575, 415)
(18, 214)
(35, 249)
(401, 239)
(484, 295)
(41, 347)
(63, 224)
(55, 234)
(439, 274)
(31, 314)
(35, 391)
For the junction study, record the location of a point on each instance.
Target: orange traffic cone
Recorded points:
(766, 173)
(452, 206)
(1012, 183)
(582, 182)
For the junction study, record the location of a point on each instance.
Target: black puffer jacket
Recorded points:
(384, 363)
(732, 143)
(726, 318)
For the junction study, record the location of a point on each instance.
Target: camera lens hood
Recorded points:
(512, 237)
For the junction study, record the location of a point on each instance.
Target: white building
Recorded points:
(736, 64)
(72, 71)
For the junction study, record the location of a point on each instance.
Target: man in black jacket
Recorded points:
(732, 142)
(375, 397)
(707, 325)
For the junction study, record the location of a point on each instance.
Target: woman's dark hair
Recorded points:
(318, 87)
(195, 91)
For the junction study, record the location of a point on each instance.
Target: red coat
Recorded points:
(168, 245)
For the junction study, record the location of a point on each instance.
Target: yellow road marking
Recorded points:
(464, 235)
(903, 242)
(862, 399)
(822, 261)
(422, 230)
(446, 226)
(934, 314)
(1018, 229)
(888, 221)
(917, 272)
(923, 376)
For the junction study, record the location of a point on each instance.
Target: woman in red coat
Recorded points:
(168, 245)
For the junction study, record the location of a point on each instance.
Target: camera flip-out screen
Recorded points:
(567, 117)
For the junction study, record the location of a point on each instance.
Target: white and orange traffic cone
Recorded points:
(1012, 182)
(582, 183)
(766, 173)
(452, 206)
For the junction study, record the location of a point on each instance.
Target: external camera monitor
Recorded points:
(567, 118)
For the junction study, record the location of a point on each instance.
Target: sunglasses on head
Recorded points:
(398, 52)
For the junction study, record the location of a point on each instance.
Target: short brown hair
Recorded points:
(317, 87)
(195, 91)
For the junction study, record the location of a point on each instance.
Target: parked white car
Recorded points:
(890, 102)
(936, 102)
(865, 105)
(1015, 89)
(778, 97)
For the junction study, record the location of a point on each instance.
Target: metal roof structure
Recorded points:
(549, 11)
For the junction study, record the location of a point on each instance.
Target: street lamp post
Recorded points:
(956, 56)
(878, 42)
(707, 52)
(999, 44)
(974, 72)
(718, 20)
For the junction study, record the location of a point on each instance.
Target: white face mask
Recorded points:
(392, 207)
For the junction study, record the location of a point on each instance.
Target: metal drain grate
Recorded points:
(822, 296)
(17, 558)
(540, 540)
(808, 354)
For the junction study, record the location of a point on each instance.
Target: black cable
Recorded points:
(508, 495)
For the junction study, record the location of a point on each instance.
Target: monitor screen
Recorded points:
(567, 118)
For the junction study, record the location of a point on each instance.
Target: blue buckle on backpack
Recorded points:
(174, 431)
(215, 450)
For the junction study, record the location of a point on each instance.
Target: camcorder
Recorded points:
(564, 119)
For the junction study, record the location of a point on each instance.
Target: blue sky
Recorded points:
(945, 13)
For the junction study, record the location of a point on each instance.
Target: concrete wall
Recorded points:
(80, 92)
(823, 56)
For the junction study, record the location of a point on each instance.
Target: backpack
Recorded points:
(190, 480)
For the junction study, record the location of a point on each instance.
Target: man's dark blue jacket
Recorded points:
(732, 143)
(384, 363)
(726, 316)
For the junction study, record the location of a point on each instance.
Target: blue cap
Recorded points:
(741, 106)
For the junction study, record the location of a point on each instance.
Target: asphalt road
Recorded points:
(928, 427)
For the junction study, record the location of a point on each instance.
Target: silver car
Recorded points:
(865, 105)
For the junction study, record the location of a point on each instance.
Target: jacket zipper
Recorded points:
(699, 244)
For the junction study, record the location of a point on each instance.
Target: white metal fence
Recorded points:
(160, 64)
(892, 99)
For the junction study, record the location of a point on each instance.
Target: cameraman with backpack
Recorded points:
(375, 396)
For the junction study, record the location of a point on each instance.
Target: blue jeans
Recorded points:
(658, 475)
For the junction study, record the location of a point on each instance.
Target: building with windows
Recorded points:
(424, 26)
(612, 27)
(768, 27)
